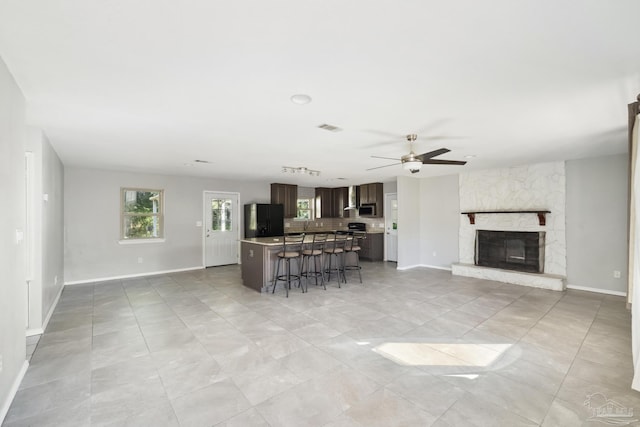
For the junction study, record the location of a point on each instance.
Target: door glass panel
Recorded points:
(221, 214)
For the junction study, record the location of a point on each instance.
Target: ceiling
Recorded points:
(154, 85)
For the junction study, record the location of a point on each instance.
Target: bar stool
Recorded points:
(335, 248)
(354, 247)
(314, 253)
(291, 249)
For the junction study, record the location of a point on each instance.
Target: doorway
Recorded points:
(221, 228)
(391, 226)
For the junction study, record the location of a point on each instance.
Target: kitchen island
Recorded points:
(259, 256)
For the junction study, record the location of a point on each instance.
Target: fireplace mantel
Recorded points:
(541, 214)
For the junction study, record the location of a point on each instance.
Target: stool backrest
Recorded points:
(339, 242)
(318, 242)
(292, 242)
(358, 236)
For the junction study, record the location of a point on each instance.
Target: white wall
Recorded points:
(439, 221)
(92, 227)
(13, 298)
(409, 233)
(597, 230)
(48, 225)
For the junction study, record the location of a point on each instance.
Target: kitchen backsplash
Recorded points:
(330, 224)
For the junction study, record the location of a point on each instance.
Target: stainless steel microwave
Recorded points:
(367, 209)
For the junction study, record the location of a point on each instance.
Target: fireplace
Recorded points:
(510, 250)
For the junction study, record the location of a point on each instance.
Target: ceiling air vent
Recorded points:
(330, 128)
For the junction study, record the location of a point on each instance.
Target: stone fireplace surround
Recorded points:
(507, 193)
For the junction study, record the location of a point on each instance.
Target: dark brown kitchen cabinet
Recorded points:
(324, 202)
(372, 248)
(373, 194)
(287, 195)
(330, 202)
(340, 201)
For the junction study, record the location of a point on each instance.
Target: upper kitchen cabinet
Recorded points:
(324, 203)
(287, 195)
(340, 198)
(372, 194)
(330, 202)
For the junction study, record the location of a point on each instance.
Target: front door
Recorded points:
(391, 226)
(222, 226)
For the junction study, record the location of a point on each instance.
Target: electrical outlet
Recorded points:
(140, 260)
(434, 253)
(0, 363)
(198, 223)
(616, 274)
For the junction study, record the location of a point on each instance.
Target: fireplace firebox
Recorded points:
(511, 250)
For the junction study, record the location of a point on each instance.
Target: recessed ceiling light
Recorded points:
(469, 156)
(300, 99)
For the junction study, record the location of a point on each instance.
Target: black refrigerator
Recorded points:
(263, 220)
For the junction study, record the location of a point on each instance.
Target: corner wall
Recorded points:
(439, 221)
(597, 229)
(13, 289)
(409, 233)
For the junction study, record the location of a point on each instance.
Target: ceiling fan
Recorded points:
(413, 162)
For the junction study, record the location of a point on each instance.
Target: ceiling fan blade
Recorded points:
(395, 137)
(434, 125)
(443, 162)
(386, 158)
(385, 166)
(430, 154)
(435, 137)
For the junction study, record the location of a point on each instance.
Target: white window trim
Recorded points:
(160, 216)
(141, 241)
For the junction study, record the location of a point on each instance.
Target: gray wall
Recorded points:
(13, 298)
(52, 227)
(48, 224)
(439, 221)
(596, 218)
(92, 227)
(409, 223)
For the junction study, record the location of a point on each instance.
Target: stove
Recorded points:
(357, 226)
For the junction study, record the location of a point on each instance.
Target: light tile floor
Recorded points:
(406, 348)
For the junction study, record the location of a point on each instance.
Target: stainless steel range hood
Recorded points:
(353, 198)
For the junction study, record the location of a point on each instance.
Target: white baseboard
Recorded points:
(129, 276)
(34, 331)
(51, 309)
(12, 392)
(409, 267)
(597, 290)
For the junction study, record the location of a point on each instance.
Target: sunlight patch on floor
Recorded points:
(441, 354)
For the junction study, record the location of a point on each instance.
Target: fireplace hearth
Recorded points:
(510, 250)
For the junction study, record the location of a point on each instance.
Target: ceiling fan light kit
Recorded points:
(412, 165)
(413, 162)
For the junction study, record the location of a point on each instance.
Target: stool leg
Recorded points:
(321, 271)
(275, 278)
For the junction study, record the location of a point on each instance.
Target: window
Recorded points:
(305, 209)
(141, 214)
(221, 211)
